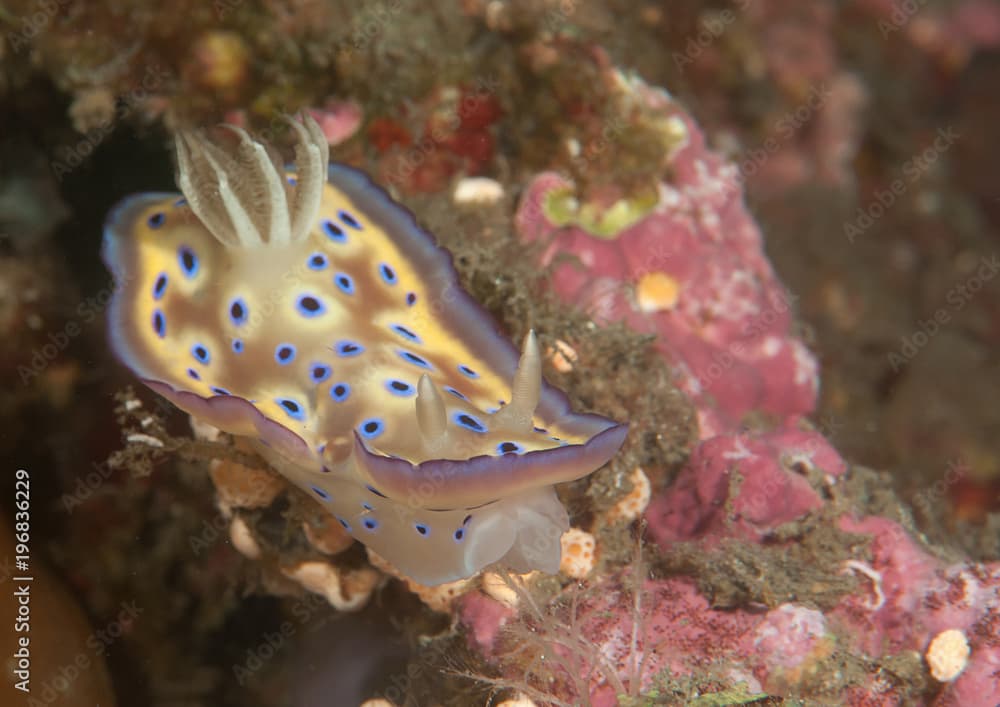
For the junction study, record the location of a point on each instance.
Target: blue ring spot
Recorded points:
(347, 218)
(371, 428)
(370, 524)
(317, 261)
(333, 231)
(284, 354)
(292, 180)
(340, 392)
(201, 354)
(238, 346)
(291, 407)
(349, 348)
(405, 333)
(160, 286)
(411, 298)
(238, 311)
(159, 323)
(344, 283)
(219, 391)
(194, 374)
(411, 357)
(456, 393)
(188, 261)
(464, 419)
(509, 448)
(468, 372)
(388, 274)
(320, 492)
(309, 306)
(421, 528)
(181, 202)
(157, 219)
(347, 526)
(400, 388)
(367, 506)
(459, 535)
(319, 372)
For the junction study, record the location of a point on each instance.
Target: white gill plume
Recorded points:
(242, 195)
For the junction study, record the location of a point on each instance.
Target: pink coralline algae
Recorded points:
(913, 596)
(692, 272)
(727, 329)
(788, 636)
(904, 598)
(338, 120)
(948, 33)
(771, 489)
(679, 632)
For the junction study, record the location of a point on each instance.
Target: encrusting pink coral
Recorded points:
(680, 631)
(922, 597)
(727, 333)
(771, 489)
(726, 330)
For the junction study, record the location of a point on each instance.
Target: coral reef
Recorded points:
(733, 552)
(693, 273)
(724, 325)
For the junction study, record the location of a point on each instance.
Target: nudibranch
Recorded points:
(303, 308)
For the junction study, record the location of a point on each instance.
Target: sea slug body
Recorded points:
(306, 310)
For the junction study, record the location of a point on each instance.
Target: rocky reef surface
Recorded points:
(760, 232)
